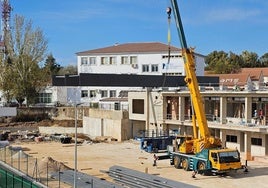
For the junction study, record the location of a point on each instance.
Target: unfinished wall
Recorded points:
(99, 122)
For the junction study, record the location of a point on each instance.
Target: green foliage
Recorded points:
(220, 62)
(25, 49)
(70, 70)
(51, 65)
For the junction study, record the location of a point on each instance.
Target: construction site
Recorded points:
(163, 140)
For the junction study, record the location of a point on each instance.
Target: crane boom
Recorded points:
(205, 140)
(202, 154)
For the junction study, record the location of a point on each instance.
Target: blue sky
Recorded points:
(78, 25)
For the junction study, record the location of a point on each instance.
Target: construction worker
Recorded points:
(155, 159)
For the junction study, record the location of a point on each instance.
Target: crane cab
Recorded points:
(225, 160)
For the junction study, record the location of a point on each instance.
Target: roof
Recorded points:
(143, 47)
(255, 73)
(232, 79)
(128, 80)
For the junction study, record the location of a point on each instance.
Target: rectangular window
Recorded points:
(145, 68)
(138, 106)
(104, 93)
(84, 93)
(104, 60)
(112, 93)
(231, 138)
(45, 97)
(112, 60)
(84, 60)
(256, 141)
(154, 68)
(92, 60)
(171, 56)
(124, 60)
(92, 93)
(133, 60)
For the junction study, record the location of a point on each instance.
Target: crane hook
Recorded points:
(169, 11)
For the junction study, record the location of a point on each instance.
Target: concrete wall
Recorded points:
(59, 130)
(107, 123)
(8, 111)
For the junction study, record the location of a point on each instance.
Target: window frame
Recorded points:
(145, 68)
(84, 60)
(154, 68)
(84, 93)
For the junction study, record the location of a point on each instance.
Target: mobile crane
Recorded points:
(201, 153)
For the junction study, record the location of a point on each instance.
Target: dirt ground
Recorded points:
(94, 158)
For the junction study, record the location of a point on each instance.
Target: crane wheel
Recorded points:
(177, 162)
(185, 164)
(201, 167)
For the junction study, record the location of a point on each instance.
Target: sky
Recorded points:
(72, 26)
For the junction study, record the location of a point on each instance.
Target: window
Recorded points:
(84, 93)
(112, 60)
(138, 106)
(84, 60)
(256, 141)
(171, 56)
(145, 68)
(104, 93)
(92, 93)
(45, 97)
(92, 60)
(112, 93)
(154, 68)
(124, 60)
(133, 60)
(104, 60)
(231, 138)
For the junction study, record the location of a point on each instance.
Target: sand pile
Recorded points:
(50, 165)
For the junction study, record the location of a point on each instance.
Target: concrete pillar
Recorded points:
(181, 108)
(247, 139)
(266, 144)
(147, 104)
(164, 108)
(248, 109)
(223, 110)
(223, 137)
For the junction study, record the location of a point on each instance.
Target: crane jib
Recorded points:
(179, 24)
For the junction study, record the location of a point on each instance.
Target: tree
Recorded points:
(250, 59)
(264, 60)
(70, 69)
(25, 48)
(51, 64)
(221, 62)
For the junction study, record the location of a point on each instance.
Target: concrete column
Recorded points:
(266, 144)
(248, 109)
(223, 137)
(147, 104)
(181, 108)
(247, 139)
(164, 115)
(223, 110)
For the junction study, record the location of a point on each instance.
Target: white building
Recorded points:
(151, 58)
(106, 64)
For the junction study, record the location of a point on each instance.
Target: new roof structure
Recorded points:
(128, 80)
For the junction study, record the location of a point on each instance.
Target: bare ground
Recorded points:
(94, 158)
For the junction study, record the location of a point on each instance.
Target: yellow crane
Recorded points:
(201, 153)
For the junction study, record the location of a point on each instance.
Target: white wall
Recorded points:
(176, 65)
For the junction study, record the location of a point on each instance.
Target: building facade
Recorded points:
(231, 116)
(151, 58)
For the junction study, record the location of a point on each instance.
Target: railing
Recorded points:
(37, 171)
